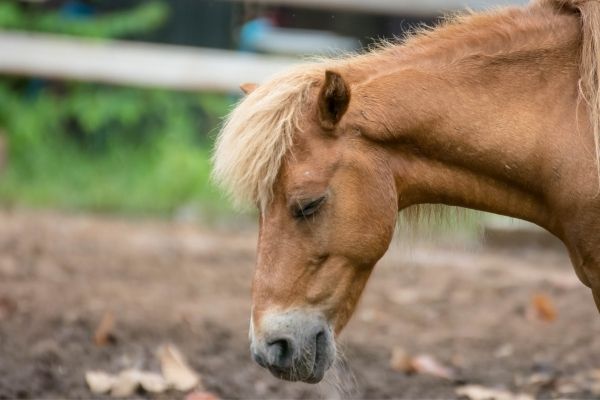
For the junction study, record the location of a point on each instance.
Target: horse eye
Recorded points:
(307, 209)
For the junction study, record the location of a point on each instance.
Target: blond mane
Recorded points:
(589, 67)
(259, 132)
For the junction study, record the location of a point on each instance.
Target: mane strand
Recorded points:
(590, 67)
(589, 83)
(259, 133)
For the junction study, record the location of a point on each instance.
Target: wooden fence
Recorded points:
(132, 63)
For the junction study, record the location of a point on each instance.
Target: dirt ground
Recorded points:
(466, 305)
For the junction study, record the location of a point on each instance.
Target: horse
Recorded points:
(496, 111)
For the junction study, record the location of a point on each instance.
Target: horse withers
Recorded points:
(496, 111)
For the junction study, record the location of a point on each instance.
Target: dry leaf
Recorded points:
(99, 382)
(425, 364)
(476, 392)
(176, 371)
(125, 384)
(401, 360)
(7, 307)
(544, 308)
(421, 364)
(104, 332)
(152, 382)
(176, 374)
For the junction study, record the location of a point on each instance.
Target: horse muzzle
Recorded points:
(295, 346)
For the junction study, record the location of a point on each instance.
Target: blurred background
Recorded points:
(114, 241)
(95, 118)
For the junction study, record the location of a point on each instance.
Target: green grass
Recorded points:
(106, 149)
(145, 17)
(125, 181)
(102, 148)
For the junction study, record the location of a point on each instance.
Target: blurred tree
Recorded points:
(206, 23)
(100, 147)
(78, 18)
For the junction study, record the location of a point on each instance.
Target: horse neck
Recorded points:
(487, 131)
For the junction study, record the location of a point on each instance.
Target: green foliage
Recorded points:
(96, 147)
(110, 149)
(146, 17)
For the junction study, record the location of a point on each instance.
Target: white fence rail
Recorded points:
(132, 63)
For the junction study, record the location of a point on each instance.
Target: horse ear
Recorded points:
(248, 88)
(334, 98)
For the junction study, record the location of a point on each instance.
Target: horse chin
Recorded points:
(312, 376)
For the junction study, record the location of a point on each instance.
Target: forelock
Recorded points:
(258, 134)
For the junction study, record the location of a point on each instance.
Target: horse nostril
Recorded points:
(259, 359)
(281, 352)
(320, 339)
(320, 346)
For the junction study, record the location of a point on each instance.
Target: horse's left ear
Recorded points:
(334, 98)
(248, 88)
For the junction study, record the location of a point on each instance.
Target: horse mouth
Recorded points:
(295, 346)
(313, 376)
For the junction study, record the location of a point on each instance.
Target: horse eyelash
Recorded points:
(300, 211)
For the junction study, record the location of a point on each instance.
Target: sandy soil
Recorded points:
(468, 306)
